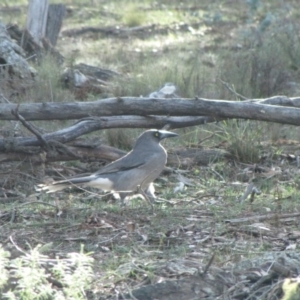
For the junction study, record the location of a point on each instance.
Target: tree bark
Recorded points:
(56, 13)
(219, 109)
(37, 19)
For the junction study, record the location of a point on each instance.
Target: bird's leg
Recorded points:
(144, 194)
(123, 196)
(150, 192)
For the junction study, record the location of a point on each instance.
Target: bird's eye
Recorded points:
(156, 134)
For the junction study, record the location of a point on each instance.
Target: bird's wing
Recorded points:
(125, 163)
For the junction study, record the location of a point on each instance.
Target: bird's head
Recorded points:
(161, 134)
(154, 135)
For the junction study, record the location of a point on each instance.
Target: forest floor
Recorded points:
(203, 235)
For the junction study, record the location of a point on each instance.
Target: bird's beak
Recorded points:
(167, 134)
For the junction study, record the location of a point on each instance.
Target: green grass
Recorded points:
(133, 17)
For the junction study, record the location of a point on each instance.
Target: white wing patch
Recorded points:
(100, 183)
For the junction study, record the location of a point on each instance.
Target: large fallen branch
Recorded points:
(27, 149)
(167, 107)
(176, 158)
(278, 109)
(138, 31)
(99, 152)
(92, 124)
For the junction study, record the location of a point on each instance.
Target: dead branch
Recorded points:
(226, 84)
(31, 128)
(219, 109)
(90, 153)
(262, 218)
(93, 152)
(124, 32)
(92, 124)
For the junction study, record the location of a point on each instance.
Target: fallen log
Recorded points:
(168, 107)
(183, 158)
(92, 124)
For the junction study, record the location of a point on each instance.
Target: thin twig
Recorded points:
(64, 147)
(218, 174)
(247, 192)
(232, 90)
(208, 264)
(16, 246)
(30, 127)
(110, 239)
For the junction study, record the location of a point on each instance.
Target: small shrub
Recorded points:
(243, 141)
(30, 276)
(47, 86)
(268, 62)
(119, 138)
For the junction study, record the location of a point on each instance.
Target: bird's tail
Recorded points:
(62, 184)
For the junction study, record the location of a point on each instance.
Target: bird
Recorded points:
(133, 173)
(167, 91)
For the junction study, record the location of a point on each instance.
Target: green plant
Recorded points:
(267, 62)
(119, 138)
(4, 261)
(47, 86)
(35, 276)
(243, 139)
